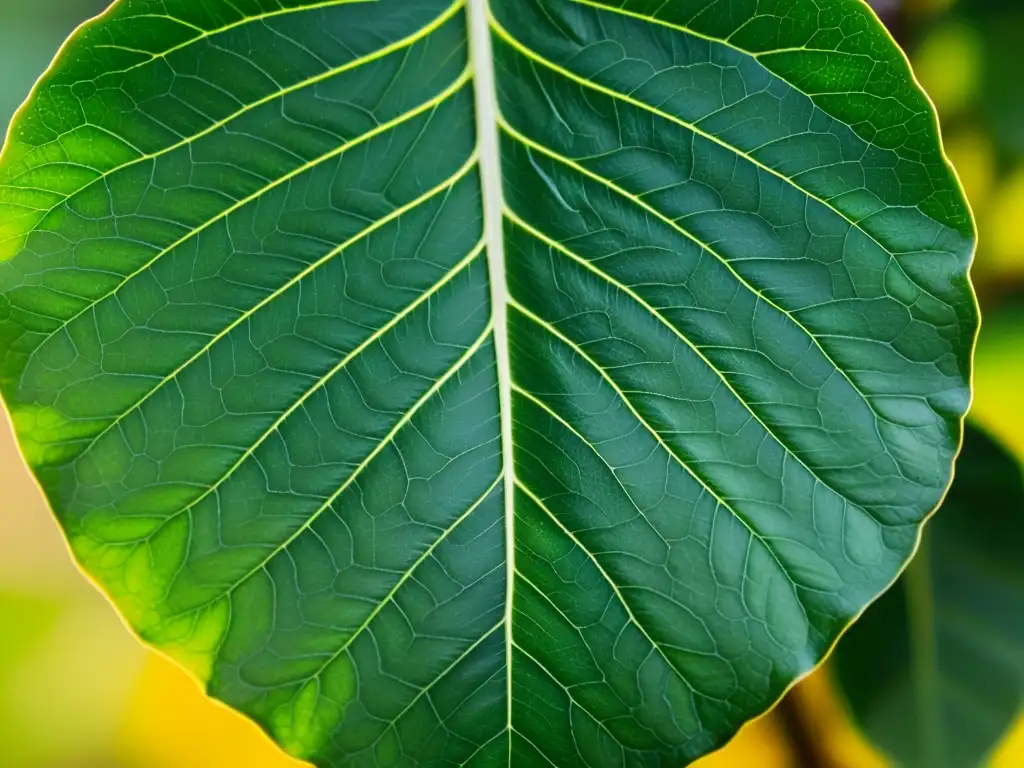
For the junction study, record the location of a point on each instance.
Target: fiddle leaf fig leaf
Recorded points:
(941, 653)
(492, 382)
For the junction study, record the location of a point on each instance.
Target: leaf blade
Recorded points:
(716, 412)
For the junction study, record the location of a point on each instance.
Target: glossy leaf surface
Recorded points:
(543, 381)
(934, 671)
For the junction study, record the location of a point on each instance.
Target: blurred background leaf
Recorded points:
(934, 671)
(77, 691)
(968, 56)
(31, 33)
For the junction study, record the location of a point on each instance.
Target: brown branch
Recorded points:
(800, 736)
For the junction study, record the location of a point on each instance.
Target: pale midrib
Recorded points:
(489, 122)
(488, 139)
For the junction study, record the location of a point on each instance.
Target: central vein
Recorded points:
(490, 173)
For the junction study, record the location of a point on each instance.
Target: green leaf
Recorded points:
(996, 28)
(598, 509)
(934, 671)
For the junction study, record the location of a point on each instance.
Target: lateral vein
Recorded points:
(357, 472)
(407, 574)
(570, 163)
(604, 276)
(338, 367)
(395, 214)
(608, 579)
(751, 529)
(398, 45)
(420, 109)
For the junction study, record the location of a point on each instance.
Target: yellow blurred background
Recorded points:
(78, 691)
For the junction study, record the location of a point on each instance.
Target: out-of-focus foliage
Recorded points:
(934, 670)
(968, 56)
(998, 400)
(30, 33)
(77, 691)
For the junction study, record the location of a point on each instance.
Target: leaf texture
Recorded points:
(521, 383)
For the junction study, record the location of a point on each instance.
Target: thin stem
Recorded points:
(924, 654)
(801, 738)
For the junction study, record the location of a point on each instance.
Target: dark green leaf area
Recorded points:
(565, 419)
